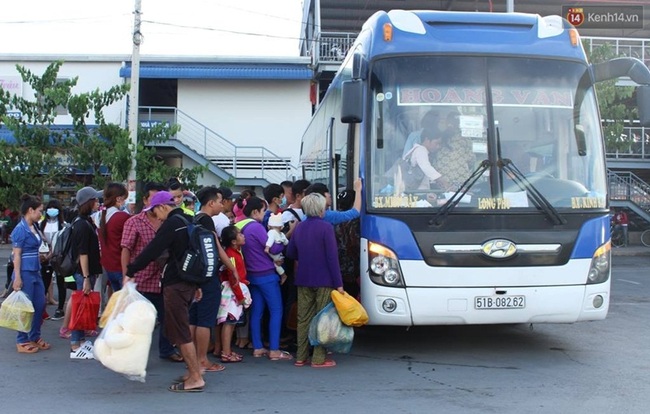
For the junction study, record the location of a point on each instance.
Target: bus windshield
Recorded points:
(435, 119)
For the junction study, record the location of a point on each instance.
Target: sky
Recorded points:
(169, 27)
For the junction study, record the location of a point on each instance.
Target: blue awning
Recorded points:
(7, 135)
(220, 71)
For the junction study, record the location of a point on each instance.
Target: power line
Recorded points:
(212, 29)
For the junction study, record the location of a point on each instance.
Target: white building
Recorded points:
(246, 115)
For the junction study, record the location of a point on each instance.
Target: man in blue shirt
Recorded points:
(338, 217)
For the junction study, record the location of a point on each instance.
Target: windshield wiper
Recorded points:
(538, 198)
(460, 193)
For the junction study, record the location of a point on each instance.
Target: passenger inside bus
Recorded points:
(431, 119)
(418, 157)
(455, 158)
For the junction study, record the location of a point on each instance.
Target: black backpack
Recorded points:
(63, 259)
(200, 261)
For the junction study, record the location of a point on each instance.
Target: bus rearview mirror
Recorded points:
(352, 101)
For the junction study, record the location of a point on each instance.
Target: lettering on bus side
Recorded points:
(587, 202)
(396, 201)
(489, 203)
(475, 96)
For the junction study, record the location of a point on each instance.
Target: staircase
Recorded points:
(247, 164)
(629, 191)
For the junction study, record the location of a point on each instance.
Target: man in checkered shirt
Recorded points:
(138, 231)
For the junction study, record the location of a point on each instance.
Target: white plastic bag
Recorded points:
(123, 346)
(327, 330)
(17, 312)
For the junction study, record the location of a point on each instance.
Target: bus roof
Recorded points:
(471, 33)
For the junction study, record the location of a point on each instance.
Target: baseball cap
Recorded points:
(160, 198)
(86, 194)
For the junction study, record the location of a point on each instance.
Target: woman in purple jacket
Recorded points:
(313, 247)
(264, 281)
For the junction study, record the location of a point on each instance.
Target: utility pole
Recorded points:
(510, 6)
(134, 96)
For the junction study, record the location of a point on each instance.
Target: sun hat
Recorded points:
(86, 194)
(160, 198)
(275, 220)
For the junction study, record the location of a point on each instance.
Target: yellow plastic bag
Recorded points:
(110, 306)
(350, 310)
(17, 312)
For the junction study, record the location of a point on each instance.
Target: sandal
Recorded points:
(328, 363)
(282, 356)
(258, 353)
(232, 357)
(27, 348)
(41, 344)
(301, 363)
(213, 368)
(174, 358)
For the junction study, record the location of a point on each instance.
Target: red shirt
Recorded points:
(226, 275)
(110, 237)
(621, 218)
(138, 232)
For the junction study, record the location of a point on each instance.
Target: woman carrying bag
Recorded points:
(26, 240)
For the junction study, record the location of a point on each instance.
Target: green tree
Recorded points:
(102, 144)
(613, 102)
(45, 155)
(151, 167)
(34, 160)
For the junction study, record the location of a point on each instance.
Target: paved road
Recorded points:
(597, 367)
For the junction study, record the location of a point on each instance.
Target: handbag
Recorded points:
(85, 310)
(412, 175)
(350, 310)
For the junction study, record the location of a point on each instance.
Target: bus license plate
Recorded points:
(500, 302)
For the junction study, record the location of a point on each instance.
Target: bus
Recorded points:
(519, 230)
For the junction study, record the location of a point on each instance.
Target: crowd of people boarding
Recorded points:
(278, 263)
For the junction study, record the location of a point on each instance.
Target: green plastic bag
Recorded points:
(17, 312)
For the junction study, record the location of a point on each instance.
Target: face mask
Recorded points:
(284, 202)
(52, 212)
(122, 207)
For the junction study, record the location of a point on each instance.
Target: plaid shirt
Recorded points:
(137, 233)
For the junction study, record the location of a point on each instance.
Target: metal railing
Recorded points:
(239, 161)
(331, 47)
(629, 47)
(626, 186)
(634, 143)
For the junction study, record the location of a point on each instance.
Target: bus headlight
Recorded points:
(601, 264)
(384, 266)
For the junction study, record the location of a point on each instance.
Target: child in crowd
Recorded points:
(231, 310)
(240, 203)
(275, 235)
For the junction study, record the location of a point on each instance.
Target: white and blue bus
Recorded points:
(519, 232)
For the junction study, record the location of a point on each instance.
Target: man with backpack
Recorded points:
(172, 237)
(203, 314)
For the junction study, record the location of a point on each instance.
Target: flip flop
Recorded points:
(214, 368)
(327, 364)
(284, 356)
(181, 388)
(174, 358)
